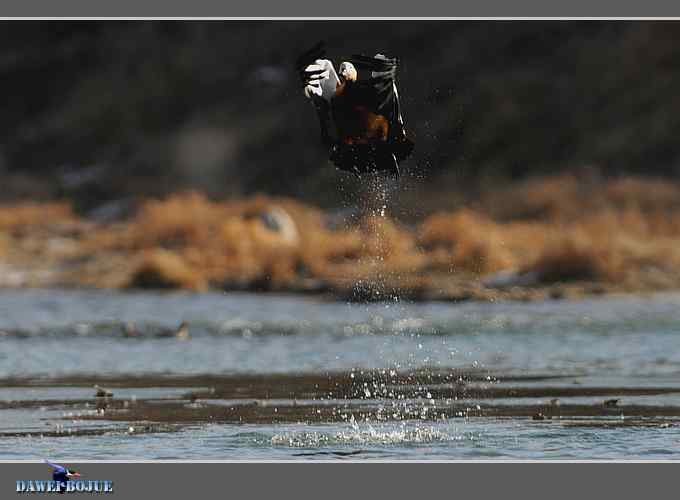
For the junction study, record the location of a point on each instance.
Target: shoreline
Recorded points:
(337, 397)
(463, 293)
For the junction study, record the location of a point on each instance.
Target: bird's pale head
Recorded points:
(348, 72)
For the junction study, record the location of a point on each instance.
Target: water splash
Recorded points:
(368, 434)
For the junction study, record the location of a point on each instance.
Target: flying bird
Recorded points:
(61, 474)
(358, 109)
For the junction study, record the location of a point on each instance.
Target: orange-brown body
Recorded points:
(355, 123)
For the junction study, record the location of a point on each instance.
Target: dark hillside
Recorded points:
(104, 110)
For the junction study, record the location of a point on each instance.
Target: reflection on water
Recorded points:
(364, 363)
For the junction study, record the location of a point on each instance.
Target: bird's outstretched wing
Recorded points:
(381, 85)
(320, 82)
(309, 57)
(318, 75)
(57, 468)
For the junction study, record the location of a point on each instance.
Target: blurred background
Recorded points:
(543, 124)
(100, 110)
(143, 162)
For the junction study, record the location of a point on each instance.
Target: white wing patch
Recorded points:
(322, 80)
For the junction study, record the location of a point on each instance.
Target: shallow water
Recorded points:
(409, 381)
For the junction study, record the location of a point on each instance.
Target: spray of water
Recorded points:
(372, 205)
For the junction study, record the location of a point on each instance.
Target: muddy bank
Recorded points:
(333, 397)
(557, 237)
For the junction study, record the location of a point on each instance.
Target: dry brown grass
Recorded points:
(648, 195)
(574, 258)
(561, 230)
(165, 269)
(233, 243)
(225, 241)
(465, 240)
(31, 214)
(541, 198)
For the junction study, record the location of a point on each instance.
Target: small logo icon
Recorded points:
(61, 475)
(64, 480)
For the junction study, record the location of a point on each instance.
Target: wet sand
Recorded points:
(372, 396)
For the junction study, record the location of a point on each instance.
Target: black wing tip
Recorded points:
(311, 55)
(382, 68)
(378, 61)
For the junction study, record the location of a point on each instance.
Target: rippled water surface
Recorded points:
(278, 377)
